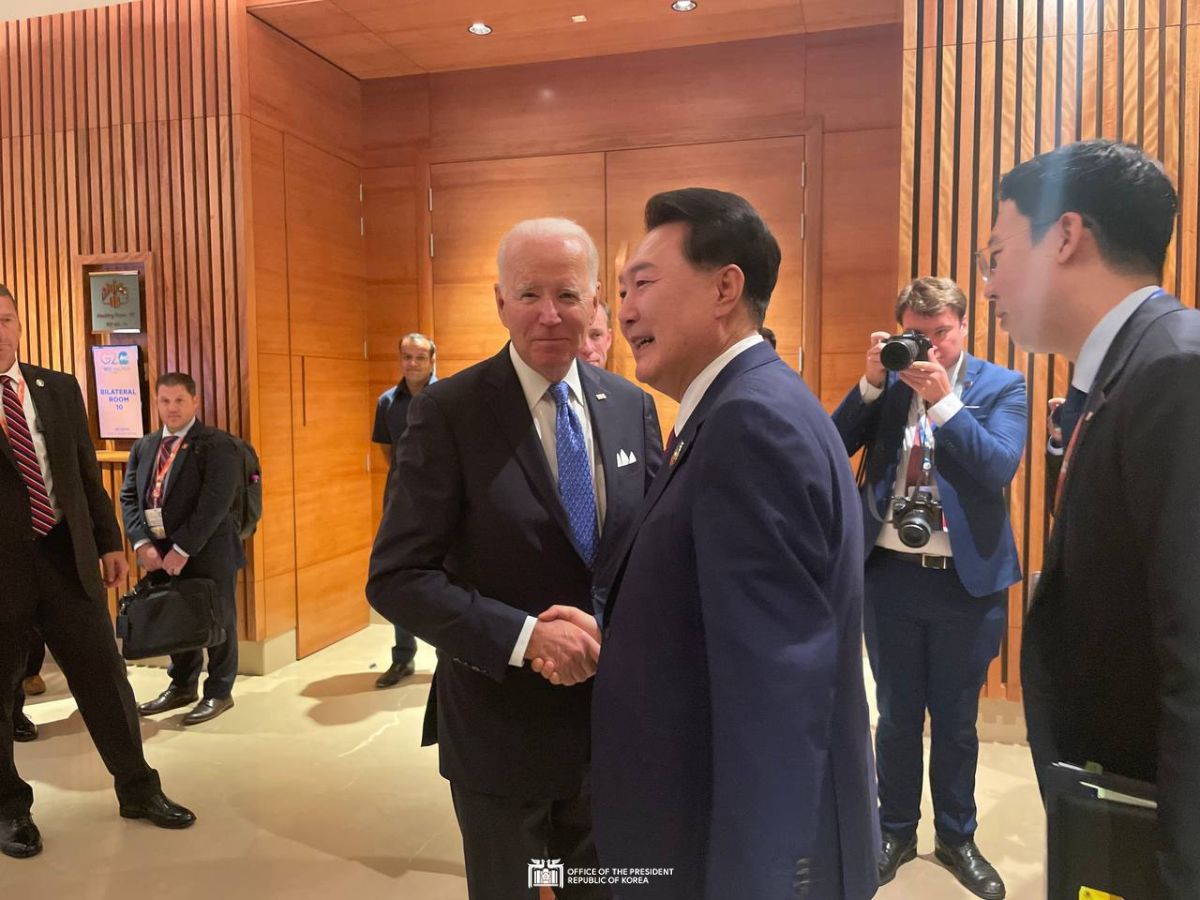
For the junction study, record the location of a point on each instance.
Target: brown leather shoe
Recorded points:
(172, 698)
(34, 685)
(24, 730)
(207, 709)
(19, 837)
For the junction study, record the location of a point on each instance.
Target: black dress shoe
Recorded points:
(23, 729)
(395, 672)
(208, 708)
(158, 810)
(968, 865)
(19, 837)
(895, 852)
(172, 698)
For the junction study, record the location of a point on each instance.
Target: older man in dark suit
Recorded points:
(1110, 662)
(515, 481)
(56, 534)
(731, 749)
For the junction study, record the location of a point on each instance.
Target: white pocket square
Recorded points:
(625, 459)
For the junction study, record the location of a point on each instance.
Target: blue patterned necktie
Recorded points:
(574, 474)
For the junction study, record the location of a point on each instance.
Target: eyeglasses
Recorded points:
(985, 257)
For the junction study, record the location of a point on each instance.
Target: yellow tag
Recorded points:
(1087, 893)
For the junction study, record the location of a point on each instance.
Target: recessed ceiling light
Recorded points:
(482, 28)
(578, 20)
(683, 5)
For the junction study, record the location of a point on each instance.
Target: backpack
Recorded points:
(248, 502)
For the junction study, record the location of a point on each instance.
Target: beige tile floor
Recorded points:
(314, 786)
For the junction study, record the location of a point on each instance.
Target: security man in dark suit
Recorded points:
(950, 429)
(1110, 663)
(515, 481)
(179, 489)
(56, 534)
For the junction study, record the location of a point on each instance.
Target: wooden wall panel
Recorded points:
(118, 136)
(992, 83)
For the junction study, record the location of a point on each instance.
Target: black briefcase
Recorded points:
(1100, 836)
(164, 615)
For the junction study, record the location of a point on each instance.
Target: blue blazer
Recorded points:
(730, 736)
(977, 455)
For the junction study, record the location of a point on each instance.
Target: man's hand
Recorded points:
(115, 568)
(1054, 429)
(148, 558)
(562, 651)
(174, 562)
(930, 379)
(876, 374)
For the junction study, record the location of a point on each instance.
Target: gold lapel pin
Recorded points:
(40, 383)
(678, 452)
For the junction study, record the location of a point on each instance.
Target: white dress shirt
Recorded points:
(36, 432)
(1095, 348)
(701, 383)
(181, 434)
(543, 411)
(939, 414)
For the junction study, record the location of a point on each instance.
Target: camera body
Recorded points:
(916, 518)
(902, 350)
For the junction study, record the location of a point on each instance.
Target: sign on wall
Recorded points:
(118, 391)
(116, 301)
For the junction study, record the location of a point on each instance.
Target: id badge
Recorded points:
(155, 520)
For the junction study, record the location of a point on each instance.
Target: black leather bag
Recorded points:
(164, 615)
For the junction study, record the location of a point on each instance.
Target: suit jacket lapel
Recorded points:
(42, 403)
(197, 430)
(146, 465)
(512, 414)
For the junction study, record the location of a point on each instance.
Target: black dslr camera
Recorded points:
(916, 518)
(902, 350)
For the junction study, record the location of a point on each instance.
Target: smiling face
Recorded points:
(1022, 282)
(670, 311)
(546, 301)
(416, 360)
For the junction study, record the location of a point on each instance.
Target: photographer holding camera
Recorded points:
(943, 434)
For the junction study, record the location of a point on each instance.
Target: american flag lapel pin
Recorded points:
(602, 396)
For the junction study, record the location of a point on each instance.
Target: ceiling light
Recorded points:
(578, 20)
(683, 5)
(482, 28)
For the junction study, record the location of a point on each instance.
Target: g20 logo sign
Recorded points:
(119, 357)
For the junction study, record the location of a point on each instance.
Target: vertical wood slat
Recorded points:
(1016, 79)
(115, 129)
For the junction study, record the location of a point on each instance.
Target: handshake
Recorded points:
(565, 645)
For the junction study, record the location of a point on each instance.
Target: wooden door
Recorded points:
(474, 204)
(770, 175)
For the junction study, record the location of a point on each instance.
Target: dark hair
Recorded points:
(768, 335)
(176, 379)
(930, 296)
(5, 292)
(1123, 196)
(722, 229)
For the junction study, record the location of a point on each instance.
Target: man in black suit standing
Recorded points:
(514, 482)
(1110, 662)
(176, 501)
(56, 533)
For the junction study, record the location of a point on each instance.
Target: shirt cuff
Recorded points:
(140, 543)
(518, 655)
(945, 409)
(1054, 448)
(869, 392)
(180, 551)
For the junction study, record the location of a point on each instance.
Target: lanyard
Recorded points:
(160, 476)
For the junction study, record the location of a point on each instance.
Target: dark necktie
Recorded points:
(162, 464)
(21, 440)
(1071, 410)
(574, 474)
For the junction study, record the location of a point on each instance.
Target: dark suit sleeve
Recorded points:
(136, 528)
(987, 453)
(856, 420)
(408, 583)
(653, 453)
(104, 521)
(762, 526)
(1160, 471)
(220, 470)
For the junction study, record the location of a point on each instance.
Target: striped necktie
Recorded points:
(21, 440)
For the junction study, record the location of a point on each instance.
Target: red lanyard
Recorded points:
(160, 476)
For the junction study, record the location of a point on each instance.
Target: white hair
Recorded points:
(549, 228)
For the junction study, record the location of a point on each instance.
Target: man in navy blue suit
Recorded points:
(730, 742)
(946, 430)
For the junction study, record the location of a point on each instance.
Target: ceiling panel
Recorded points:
(380, 38)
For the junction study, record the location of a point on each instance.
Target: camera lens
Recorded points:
(899, 353)
(914, 529)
